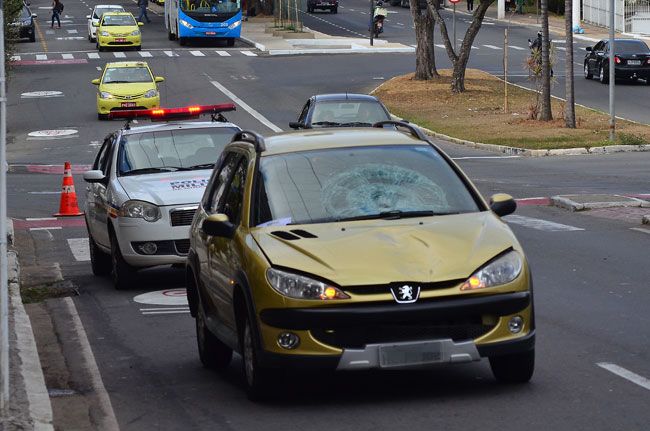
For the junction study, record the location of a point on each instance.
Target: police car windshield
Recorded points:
(172, 150)
(118, 20)
(125, 75)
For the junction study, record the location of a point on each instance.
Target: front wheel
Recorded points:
(514, 368)
(588, 74)
(138, 48)
(182, 41)
(230, 41)
(32, 37)
(335, 10)
(100, 262)
(257, 379)
(604, 79)
(102, 117)
(122, 273)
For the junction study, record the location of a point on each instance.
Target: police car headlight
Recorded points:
(301, 287)
(151, 93)
(186, 24)
(234, 25)
(105, 95)
(140, 209)
(501, 270)
(105, 33)
(135, 33)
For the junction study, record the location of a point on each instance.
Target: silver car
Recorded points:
(143, 190)
(94, 18)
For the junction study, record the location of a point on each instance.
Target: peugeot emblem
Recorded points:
(405, 294)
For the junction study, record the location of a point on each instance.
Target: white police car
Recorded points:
(145, 185)
(94, 18)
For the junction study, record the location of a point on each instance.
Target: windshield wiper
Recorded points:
(154, 170)
(356, 123)
(392, 215)
(200, 166)
(117, 82)
(326, 123)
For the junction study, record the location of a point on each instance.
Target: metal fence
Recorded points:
(596, 12)
(288, 14)
(637, 16)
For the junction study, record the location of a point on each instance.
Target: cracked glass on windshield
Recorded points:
(330, 185)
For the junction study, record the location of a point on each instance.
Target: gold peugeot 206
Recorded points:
(355, 249)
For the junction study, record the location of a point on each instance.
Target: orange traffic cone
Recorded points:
(68, 205)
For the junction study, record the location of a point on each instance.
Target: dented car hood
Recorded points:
(168, 188)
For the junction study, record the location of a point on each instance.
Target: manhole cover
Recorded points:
(163, 297)
(41, 94)
(52, 134)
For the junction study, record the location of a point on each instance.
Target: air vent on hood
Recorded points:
(285, 235)
(304, 233)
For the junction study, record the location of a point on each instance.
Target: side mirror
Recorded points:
(96, 24)
(140, 24)
(589, 49)
(159, 79)
(34, 15)
(95, 176)
(296, 125)
(502, 204)
(218, 225)
(95, 81)
(87, 16)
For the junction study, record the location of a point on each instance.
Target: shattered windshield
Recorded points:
(358, 183)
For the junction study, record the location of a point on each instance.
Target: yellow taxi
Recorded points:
(126, 85)
(118, 29)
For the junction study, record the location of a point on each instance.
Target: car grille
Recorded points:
(129, 97)
(182, 217)
(182, 246)
(385, 288)
(359, 336)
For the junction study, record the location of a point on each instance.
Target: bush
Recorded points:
(12, 9)
(628, 139)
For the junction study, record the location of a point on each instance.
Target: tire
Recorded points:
(102, 117)
(230, 41)
(138, 48)
(170, 35)
(310, 10)
(514, 368)
(335, 10)
(213, 353)
(90, 39)
(647, 81)
(32, 37)
(99, 47)
(182, 41)
(604, 77)
(100, 262)
(588, 74)
(256, 378)
(122, 273)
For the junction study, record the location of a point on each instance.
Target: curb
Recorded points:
(39, 408)
(567, 203)
(340, 51)
(253, 43)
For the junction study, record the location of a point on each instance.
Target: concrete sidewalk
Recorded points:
(261, 33)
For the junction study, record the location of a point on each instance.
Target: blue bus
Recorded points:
(186, 19)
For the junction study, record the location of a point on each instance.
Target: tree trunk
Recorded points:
(570, 106)
(425, 60)
(545, 113)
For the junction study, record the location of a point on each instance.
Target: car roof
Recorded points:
(176, 125)
(308, 140)
(344, 96)
(108, 6)
(117, 13)
(127, 64)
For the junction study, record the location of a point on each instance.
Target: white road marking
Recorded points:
(14, 58)
(93, 55)
(197, 53)
(46, 228)
(438, 45)
(71, 38)
(170, 54)
(485, 157)
(492, 46)
(640, 229)
(67, 56)
(79, 249)
(72, 31)
(165, 309)
(223, 53)
(41, 94)
(488, 23)
(145, 54)
(151, 313)
(41, 57)
(168, 297)
(518, 48)
(45, 193)
(626, 374)
(249, 53)
(561, 48)
(99, 68)
(247, 108)
(40, 218)
(539, 224)
(119, 55)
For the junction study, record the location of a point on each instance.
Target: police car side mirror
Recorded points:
(95, 176)
(589, 49)
(502, 204)
(296, 125)
(34, 15)
(159, 79)
(95, 81)
(218, 225)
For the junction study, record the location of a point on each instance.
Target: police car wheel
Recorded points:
(121, 272)
(100, 262)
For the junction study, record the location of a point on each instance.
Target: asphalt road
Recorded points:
(591, 278)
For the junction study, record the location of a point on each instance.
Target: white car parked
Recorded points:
(144, 187)
(94, 18)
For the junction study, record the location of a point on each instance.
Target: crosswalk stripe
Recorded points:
(440, 46)
(93, 55)
(15, 58)
(197, 53)
(223, 53)
(72, 31)
(79, 249)
(67, 56)
(119, 54)
(170, 54)
(561, 48)
(145, 54)
(538, 224)
(41, 57)
(492, 47)
(518, 48)
(249, 53)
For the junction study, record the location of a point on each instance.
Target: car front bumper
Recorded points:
(104, 106)
(122, 41)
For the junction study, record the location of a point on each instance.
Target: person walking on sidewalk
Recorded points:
(143, 10)
(57, 8)
(470, 5)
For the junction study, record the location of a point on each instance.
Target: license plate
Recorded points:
(634, 62)
(210, 33)
(128, 105)
(120, 40)
(397, 355)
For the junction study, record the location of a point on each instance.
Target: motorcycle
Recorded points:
(378, 19)
(537, 45)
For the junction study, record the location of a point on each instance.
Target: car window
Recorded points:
(211, 6)
(326, 185)
(232, 204)
(217, 194)
(348, 112)
(181, 149)
(101, 161)
(599, 46)
(121, 75)
(118, 20)
(26, 14)
(630, 47)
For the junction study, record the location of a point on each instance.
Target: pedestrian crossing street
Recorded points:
(121, 55)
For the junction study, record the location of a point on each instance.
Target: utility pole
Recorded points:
(612, 70)
(4, 293)
(505, 71)
(372, 21)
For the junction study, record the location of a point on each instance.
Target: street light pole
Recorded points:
(612, 71)
(372, 21)
(454, 25)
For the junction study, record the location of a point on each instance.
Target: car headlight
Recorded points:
(105, 95)
(105, 33)
(234, 25)
(186, 24)
(501, 270)
(301, 287)
(135, 33)
(151, 93)
(140, 209)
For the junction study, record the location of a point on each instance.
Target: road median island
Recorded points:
(477, 116)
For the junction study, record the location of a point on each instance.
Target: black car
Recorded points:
(631, 59)
(25, 24)
(341, 110)
(332, 5)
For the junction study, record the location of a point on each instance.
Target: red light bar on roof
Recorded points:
(163, 114)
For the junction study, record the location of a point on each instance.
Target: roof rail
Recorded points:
(252, 137)
(414, 130)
